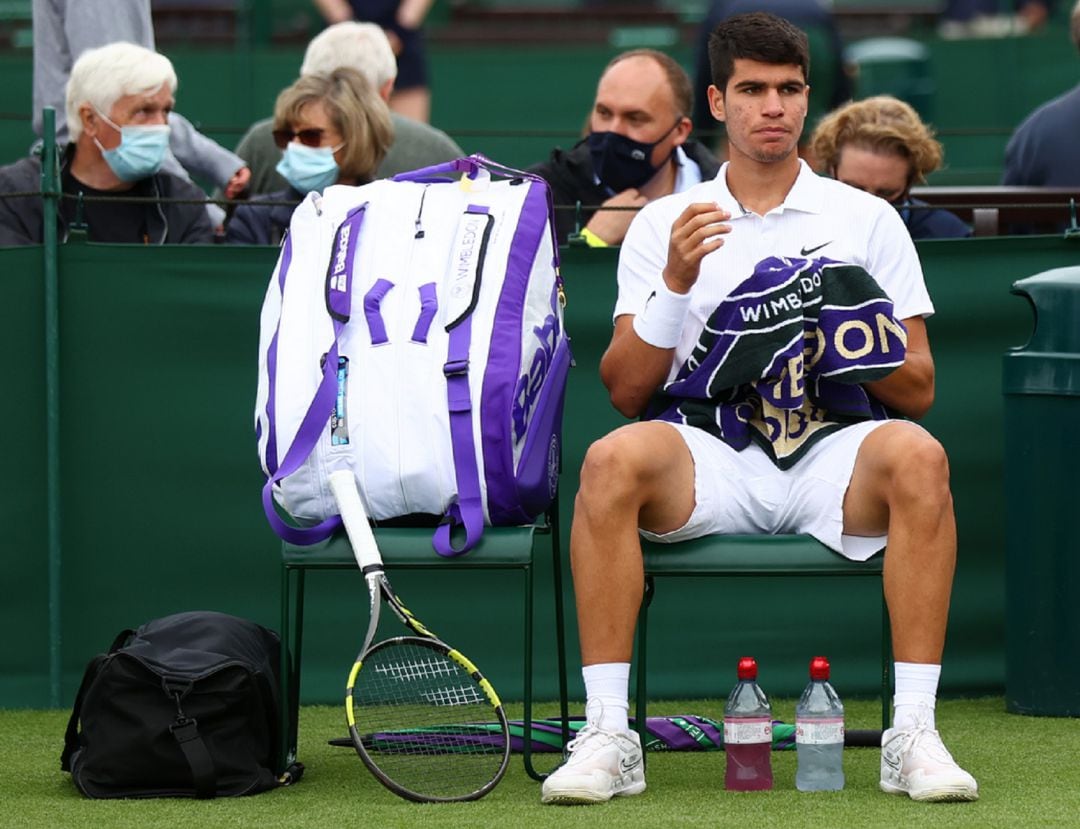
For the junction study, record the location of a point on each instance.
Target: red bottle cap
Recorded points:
(819, 668)
(748, 668)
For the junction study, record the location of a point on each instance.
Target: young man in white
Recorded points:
(853, 489)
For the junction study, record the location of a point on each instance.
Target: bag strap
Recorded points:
(338, 293)
(71, 734)
(203, 773)
(468, 510)
(186, 732)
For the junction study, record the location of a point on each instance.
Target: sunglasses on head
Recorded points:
(309, 137)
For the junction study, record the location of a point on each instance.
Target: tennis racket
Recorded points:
(412, 702)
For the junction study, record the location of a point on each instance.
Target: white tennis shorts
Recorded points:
(745, 492)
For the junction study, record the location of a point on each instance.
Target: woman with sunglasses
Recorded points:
(334, 129)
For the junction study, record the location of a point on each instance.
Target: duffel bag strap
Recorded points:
(338, 291)
(186, 732)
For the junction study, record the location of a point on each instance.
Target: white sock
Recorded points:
(916, 694)
(607, 696)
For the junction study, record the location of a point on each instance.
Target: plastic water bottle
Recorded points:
(819, 733)
(748, 733)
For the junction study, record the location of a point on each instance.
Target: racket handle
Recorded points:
(354, 516)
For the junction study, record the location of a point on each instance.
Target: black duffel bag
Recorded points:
(184, 706)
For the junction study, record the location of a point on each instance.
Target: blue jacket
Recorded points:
(932, 223)
(256, 223)
(1045, 150)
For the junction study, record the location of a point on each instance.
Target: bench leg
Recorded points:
(286, 751)
(886, 663)
(560, 647)
(526, 745)
(560, 623)
(292, 632)
(641, 694)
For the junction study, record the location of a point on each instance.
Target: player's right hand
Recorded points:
(699, 230)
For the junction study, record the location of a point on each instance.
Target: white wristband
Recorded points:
(660, 324)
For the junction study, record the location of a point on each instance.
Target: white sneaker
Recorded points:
(915, 762)
(600, 765)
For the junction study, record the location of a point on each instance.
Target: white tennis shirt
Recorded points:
(819, 217)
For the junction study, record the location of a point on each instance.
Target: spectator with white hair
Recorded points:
(119, 98)
(365, 48)
(64, 29)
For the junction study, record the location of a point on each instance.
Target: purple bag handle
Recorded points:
(471, 166)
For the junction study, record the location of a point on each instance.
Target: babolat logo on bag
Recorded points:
(531, 384)
(413, 332)
(340, 275)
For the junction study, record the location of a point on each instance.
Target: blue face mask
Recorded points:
(309, 168)
(141, 150)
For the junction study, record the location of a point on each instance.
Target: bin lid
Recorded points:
(1055, 299)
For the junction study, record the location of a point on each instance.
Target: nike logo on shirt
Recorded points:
(808, 251)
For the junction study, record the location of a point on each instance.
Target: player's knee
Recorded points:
(920, 467)
(611, 468)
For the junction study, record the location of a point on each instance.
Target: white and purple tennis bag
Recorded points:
(412, 332)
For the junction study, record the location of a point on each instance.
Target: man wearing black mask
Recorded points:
(637, 149)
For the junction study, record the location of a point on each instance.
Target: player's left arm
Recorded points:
(910, 388)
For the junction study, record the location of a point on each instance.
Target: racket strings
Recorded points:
(421, 720)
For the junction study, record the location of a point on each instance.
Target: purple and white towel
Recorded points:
(781, 359)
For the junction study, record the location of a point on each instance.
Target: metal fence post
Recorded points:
(50, 195)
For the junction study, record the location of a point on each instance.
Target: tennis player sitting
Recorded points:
(731, 279)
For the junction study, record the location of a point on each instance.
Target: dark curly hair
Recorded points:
(756, 36)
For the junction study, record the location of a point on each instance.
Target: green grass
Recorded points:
(1027, 769)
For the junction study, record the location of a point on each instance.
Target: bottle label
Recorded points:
(827, 731)
(747, 730)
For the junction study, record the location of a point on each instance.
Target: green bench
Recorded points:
(510, 549)
(743, 556)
